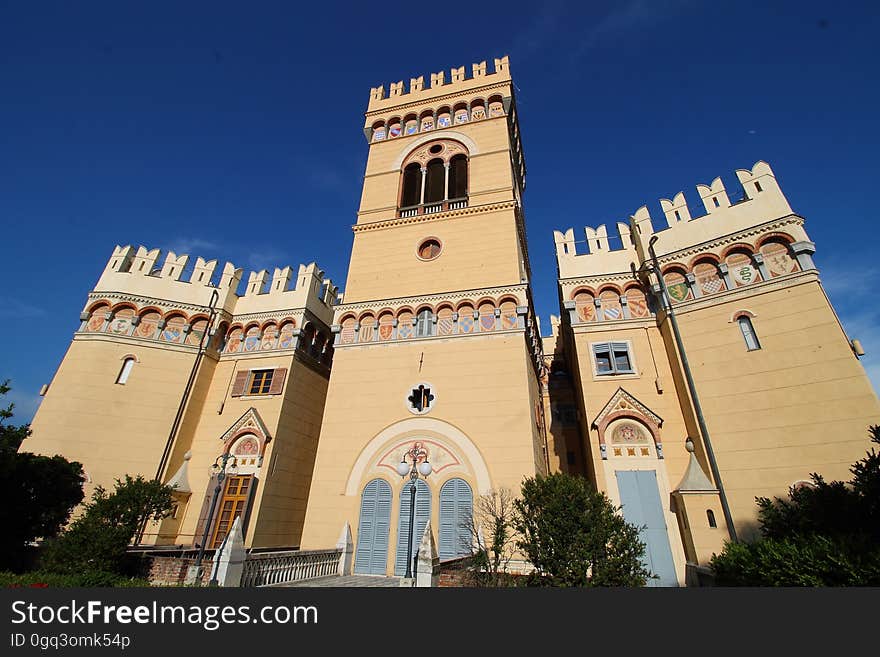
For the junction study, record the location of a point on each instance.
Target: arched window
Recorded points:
(748, 332)
(710, 516)
(425, 324)
(412, 185)
(436, 182)
(458, 177)
(122, 377)
(456, 508)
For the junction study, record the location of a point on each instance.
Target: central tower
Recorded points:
(437, 345)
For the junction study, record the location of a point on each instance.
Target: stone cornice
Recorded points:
(687, 253)
(432, 338)
(475, 295)
(762, 287)
(730, 238)
(437, 100)
(421, 218)
(613, 325)
(98, 295)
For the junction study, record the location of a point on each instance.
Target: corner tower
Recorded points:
(436, 340)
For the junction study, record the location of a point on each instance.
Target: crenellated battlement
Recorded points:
(762, 200)
(142, 272)
(440, 84)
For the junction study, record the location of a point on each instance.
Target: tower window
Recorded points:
(748, 332)
(436, 182)
(613, 358)
(260, 382)
(429, 249)
(710, 515)
(425, 324)
(412, 185)
(122, 377)
(758, 186)
(458, 174)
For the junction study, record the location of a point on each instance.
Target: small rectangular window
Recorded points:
(758, 186)
(260, 382)
(613, 358)
(715, 201)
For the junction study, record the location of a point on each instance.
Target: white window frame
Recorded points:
(613, 345)
(125, 371)
(747, 329)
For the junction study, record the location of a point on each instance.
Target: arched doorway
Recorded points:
(374, 527)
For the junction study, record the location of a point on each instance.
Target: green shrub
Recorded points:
(87, 579)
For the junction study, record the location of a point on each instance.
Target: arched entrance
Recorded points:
(456, 512)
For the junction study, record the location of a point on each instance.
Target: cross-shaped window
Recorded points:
(420, 399)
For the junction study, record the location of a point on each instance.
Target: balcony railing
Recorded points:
(432, 208)
(267, 568)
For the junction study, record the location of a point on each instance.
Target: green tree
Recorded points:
(98, 539)
(574, 535)
(827, 534)
(41, 490)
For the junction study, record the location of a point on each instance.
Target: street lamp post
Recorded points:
(219, 468)
(666, 302)
(420, 466)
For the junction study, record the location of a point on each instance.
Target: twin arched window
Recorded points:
(433, 177)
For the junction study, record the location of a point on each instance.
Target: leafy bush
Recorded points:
(827, 534)
(97, 540)
(43, 490)
(574, 536)
(88, 579)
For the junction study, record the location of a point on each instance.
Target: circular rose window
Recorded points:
(429, 249)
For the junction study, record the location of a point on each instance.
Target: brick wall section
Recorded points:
(454, 572)
(171, 571)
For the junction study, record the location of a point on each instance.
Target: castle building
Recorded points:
(437, 359)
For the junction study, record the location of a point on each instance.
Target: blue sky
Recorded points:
(188, 126)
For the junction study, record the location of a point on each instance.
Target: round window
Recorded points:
(436, 148)
(429, 249)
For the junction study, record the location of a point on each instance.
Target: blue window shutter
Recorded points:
(456, 507)
(423, 514)
(640, 499)
(374, 526)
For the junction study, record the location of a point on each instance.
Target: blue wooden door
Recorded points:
(456, 507)
(640, 499)
(374, 527)
(423, 514)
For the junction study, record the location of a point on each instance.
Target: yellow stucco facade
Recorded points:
(436, 355)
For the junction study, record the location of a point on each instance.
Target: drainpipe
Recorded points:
(175, 426)
(701, 421)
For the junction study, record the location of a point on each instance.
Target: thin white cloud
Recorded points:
(13, 308)
(26, 404)
(194, 246)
